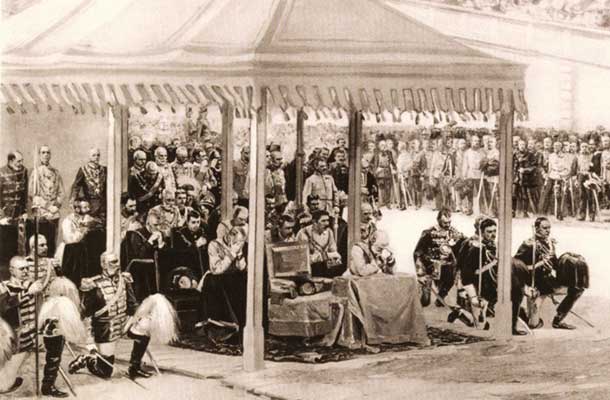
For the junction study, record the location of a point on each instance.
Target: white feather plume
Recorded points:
(158, 318)
(6, 342)
(68, 316)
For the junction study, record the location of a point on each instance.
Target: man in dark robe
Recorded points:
(189, 247)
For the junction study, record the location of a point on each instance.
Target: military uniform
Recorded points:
(383, 164)
(557, 182)
(319, 247)
(169, 179)
(324, 187)
(46, 189)
(584, 164)
(240, 181)
(524, 174)
(18, 310)
(365, 262)
(436, 251)
(187, 252)
(91, 183)
(167, 219)
(146, 190)
(441, 172)
(472, 176)
(109, 301)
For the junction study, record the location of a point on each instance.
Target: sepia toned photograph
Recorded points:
(305, 199)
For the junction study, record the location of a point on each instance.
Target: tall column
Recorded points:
(226, 198)
(355, 178)
(117, 129)
(254, 338)
(502, 327)
(300, 155)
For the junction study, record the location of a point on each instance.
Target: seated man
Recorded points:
(372, 256)
(190, 245)
(239, 220)
(324, 258)
(166, 214)
(223, 291)
(138, 257)
(550, 272)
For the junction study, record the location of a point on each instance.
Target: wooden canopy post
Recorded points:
(299, 156)
(503, 320)
(118, 118)
(226, 197)
(254, 338)
(355, 179)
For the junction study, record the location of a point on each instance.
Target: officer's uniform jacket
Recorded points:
(108, 301)
(428, 248)
(222, 260)
(46, 183)
(240, 178)
(605, 165)
(319, 244)
(471, 164)
(19, 311)
(324, 187)
(559, 166)
(169, 180)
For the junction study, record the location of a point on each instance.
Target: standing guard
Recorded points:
(323, 185)
(46, 191)
(90, 183)
(524, 166)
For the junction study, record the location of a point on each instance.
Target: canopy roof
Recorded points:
(318, 53)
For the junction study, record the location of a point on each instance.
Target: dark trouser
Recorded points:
(524, 198)
(554, 194)
(442, 196)
(586, 198)
(100, 368)
(445, 281)
(520, 276)
(140, 344)
(414, 186)
(54, 346)
(568, 302)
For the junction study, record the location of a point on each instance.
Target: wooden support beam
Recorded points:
(300, 156)
(254, 338)
(502, 327)
(355, 178)
(117, 129)
(226, 198)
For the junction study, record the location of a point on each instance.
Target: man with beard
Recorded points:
(340, 171)
(441, 170)
(146, 187)
(323, 185)
(584, 165)
(129, 215)
(181, 167)
(166, 215)
(369, 191)
(46, 191)
(190, 245)
(164, 168)
(139, 163)
(13, 201)
(138, 257)
(341, 147)
(48, 268)
(183, 209)
(472, 174)
(238, 220)
(556, 182)
(90, 183)
(241, 169)
(323, 255)
(372, 256)
(490, 167)
(108, 299)
(551, 272)
(383, 164)
(275, 181)
(435, 257)
(524, 167)
(283, 232)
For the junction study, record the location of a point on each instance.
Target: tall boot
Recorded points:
(565, 306)
(54, 346)
(140, 344)
(97, 367)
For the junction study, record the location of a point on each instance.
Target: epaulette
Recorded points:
(475, 243)
(87, 284)
(127, 276)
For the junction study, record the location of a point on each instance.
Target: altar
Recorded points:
(358, 311)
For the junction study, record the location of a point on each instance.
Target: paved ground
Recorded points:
(550, 364)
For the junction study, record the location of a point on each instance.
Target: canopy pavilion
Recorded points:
(346, 57)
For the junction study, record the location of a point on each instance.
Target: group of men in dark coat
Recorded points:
(444, 257)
